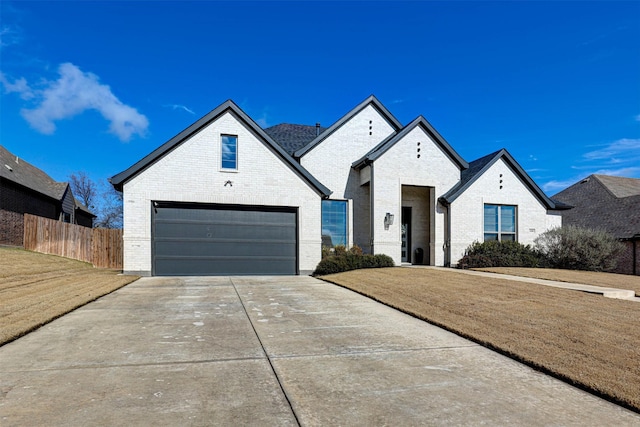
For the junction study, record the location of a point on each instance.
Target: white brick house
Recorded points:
(228, 197)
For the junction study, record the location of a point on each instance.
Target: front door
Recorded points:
(406, 234)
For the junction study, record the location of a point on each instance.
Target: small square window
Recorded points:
(229, 153)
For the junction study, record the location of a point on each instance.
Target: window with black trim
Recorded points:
(500, 222)
(334, 223)
(229, 153)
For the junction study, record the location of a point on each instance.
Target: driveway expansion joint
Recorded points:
(134, 365)
(372, 352)
(266, 355)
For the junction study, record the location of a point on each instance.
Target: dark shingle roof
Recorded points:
(604, 202)
(17, 170)
(293, 137)
(479, 166)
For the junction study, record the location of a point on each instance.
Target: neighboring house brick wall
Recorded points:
(625, 259)
(83, 219)
(16, 198)
(191, 173)
(11, 228)
(400, 166)
(15, 201)
(467, 211)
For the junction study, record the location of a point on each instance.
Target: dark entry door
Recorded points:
(208, 240)
(406, 234)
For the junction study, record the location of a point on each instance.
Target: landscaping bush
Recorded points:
(577, 248)
(493, 253)
(384, 261)
(353, 259)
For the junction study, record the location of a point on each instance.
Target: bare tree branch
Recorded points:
(83, 188)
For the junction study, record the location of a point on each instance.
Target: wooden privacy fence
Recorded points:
(100, 246)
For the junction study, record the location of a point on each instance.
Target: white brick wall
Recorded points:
(400, 166)
(191, 173)
(467, 211)
(330, 161)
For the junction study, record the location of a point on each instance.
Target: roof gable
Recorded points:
(371, 100)
(620, 187)
(227, 107)
(389, 142)
(15, 169)
(478, 167)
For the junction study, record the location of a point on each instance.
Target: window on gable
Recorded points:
(229, 152)
(334, 223)
(499, 222)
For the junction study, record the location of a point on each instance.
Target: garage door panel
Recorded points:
(167, 248)
(219, 240)
(231, 267)
(224, 230)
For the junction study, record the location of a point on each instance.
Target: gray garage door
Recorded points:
(206, 240)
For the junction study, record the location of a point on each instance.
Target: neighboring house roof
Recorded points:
(604, 202)
(21, 172)
(228, 106)
(81, 207)
(293, 137)
(620, 187)
(481, 165)
(390, 141)
(371, 100)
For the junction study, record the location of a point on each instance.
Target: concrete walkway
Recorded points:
(271, 351)
(604, 291)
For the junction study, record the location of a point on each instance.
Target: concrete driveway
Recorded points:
(270, 351)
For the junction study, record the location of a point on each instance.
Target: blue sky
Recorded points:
(95, 86)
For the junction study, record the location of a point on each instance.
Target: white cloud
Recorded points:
(19, 86)
(262, 122)
(617, 151)
(553, 187)
(73, 93)
(619, 158)
(180, 107)
(9, 36)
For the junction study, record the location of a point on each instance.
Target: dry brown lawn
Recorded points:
(587, 340)
(609, 280)
(37, 288)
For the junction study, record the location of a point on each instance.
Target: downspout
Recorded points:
(447, 239)
(371, 210)
(446, 246)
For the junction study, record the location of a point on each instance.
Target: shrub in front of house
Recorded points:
(577, 248)
(495, 253)
(341, 259)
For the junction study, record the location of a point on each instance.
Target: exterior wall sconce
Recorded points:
(388, 220)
